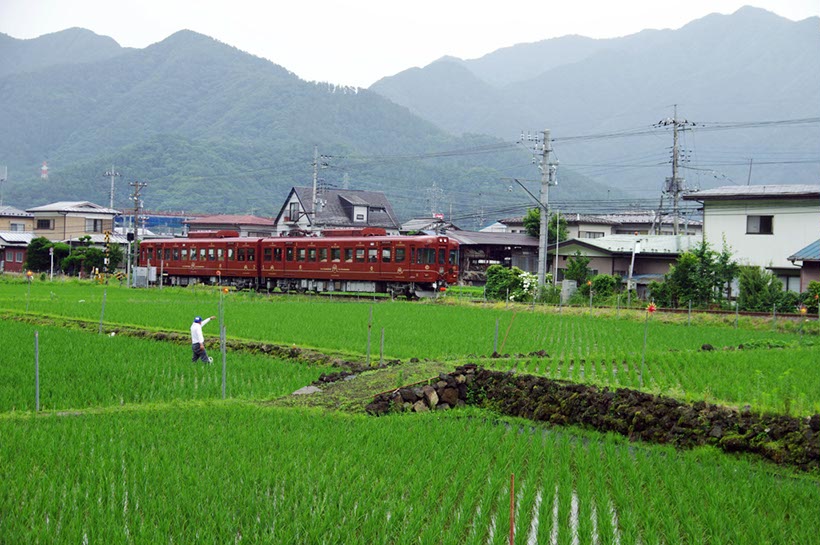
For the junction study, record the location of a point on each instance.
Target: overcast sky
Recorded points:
(356, 42)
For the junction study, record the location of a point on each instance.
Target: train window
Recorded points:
(202, 254)
(185, 254)
(220, 254)
(300, 254)
(167, 254)
(240, 254)
(372, 255)
(348, 255)
(289, 253)
(277, 254)
(442, 256)
(150, 254)
(267, 254)
(230, 254)
(176, 254)
(251, 254)
(359, 255)
(335, 254)
(453, 257)
(400, 252)
(193, 254)
(412, 255)
(386, 255)
(211, 254)
(311, 254)
(426, 256)
(323, 254)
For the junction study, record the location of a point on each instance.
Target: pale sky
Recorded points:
(351, 42)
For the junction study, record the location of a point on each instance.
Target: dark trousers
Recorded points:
(199, 353)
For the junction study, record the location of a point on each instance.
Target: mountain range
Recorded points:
(213, 129)
(751, 68)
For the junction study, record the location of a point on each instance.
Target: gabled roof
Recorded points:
(230, 220)
(337, 202)
(650, 244)
(10, 211)
(809, 253)
(81, 207)
(735, 192)
(477, 238)
(426, 224)
(16, 237)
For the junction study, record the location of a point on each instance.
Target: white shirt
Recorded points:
(196, 331)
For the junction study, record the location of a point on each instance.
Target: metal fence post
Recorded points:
(369, 327)
(37, 371)
(381, 351)
(222, 342)
(102, 313)
(495, 342)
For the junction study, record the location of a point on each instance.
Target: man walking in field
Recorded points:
(198, 340)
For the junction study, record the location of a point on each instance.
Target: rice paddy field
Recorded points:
(134, 443)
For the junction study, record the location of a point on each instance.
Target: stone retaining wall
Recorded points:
(637, 415)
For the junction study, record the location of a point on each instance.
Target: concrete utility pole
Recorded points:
(319, 162)
(135, 236)
(675, 184)
(547, 168)
(111, 174)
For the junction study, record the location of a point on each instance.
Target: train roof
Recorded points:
(341, 240)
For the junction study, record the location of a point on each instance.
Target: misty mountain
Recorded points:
(749, 67)
(214, 129)
(71, 46)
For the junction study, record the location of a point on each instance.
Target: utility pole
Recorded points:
(319, 161)
(111, 174)
(434, 196)
(135, 234)
(675, 184)
(547, 168)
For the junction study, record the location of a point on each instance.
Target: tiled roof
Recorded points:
(498, 239)
(16, 237)
(809, 253)
(82, 207)
(11, 211)
(755, 192)
(230, 220)
(380, 213)
(650, 244)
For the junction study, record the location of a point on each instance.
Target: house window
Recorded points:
(759, 225)
(9, 255)
(47, 225)
(293, 212)
(591, 234)
(18, 227)
(93, 226)
(359, 217)
(19, 258)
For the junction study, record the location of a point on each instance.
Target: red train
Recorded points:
(343, 260)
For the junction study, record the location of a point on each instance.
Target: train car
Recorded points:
(342, 261)
(411, 265)
(229, 260)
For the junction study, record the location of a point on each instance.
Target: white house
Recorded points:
(762, 224)
(335, 209)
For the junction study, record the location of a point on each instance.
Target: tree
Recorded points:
(37, 257)
(759, 289)
(532, 225)
(578, 268)
(699, 276)
(115, 257)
